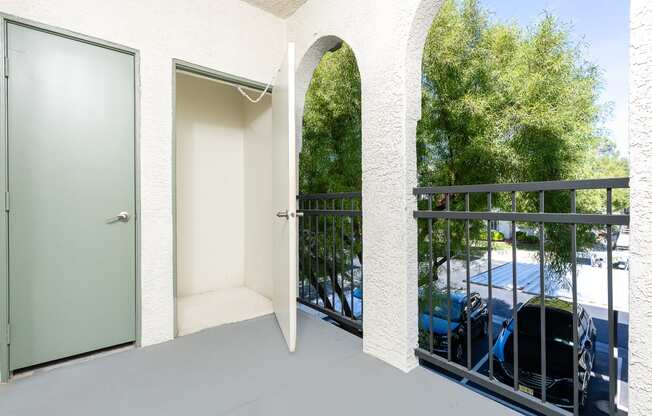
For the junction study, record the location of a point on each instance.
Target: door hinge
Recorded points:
(8, 333)
(7, 201)
(6, 63)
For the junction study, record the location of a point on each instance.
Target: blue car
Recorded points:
(439, 319)
(559, 351)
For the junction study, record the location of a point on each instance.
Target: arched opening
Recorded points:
(514, 136)
(330, 180)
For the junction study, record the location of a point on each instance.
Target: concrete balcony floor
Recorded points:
(243, 369)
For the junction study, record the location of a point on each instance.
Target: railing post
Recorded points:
(613, 376)
(467, 246)
(542, 283)
(515, 294)
(448, 278)
(490, 301)
(576, 398)
(431, 266)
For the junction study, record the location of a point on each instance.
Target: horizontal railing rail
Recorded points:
(332, 213)
(330, 196)
(613, 183)
(594, 219)
(330, 256)
(442, 195)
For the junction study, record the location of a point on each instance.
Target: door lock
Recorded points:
(122, 217)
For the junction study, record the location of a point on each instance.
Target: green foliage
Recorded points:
(513, 105)
(331, 155)
(524, 238)
(503, 104)
(495, 235)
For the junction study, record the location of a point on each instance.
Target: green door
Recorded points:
(70, 112)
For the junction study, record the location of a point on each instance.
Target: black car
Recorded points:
(559, 351)
(439, 318)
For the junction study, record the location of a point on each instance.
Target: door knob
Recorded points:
(123, 217)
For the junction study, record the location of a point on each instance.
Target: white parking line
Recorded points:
(477, 367)
(602, 377)
(620, 386)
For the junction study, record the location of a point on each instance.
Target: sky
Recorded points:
(603, 26)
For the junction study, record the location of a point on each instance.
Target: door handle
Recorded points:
(285, 214)
(123, 217)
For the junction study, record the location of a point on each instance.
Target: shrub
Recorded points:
(495, 236)
(522, 237)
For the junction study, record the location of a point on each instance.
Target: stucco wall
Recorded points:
(387, 38)
(226, 35)
(640, 152)
(210, 147)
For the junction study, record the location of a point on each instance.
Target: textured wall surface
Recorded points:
(387, 37)
(226, 35)
(640, 152)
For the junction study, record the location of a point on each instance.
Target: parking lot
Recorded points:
(591, 284)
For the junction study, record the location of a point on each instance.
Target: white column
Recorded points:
(391, 98)
(640, 138)
(387, 37)
(389, 230)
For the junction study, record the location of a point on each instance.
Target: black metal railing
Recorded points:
(330, 256)
(434, 204)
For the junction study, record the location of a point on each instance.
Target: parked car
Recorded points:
(590, 259)
(559, 351)
(621, 258)
(439, 317)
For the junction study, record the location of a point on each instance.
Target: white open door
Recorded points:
(284, 268)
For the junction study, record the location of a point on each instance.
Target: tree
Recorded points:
(502, 104)
(331, 155)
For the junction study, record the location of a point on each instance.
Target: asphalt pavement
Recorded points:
(599, 387)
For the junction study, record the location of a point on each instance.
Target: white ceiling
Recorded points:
(280, 8)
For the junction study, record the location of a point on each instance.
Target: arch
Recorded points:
(304, 72)
(422, 20)
(344, 289)
(424, 16)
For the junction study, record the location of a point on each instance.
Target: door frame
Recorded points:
(6, 19)
(214, 75)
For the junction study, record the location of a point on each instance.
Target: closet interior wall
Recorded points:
(223, 204)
